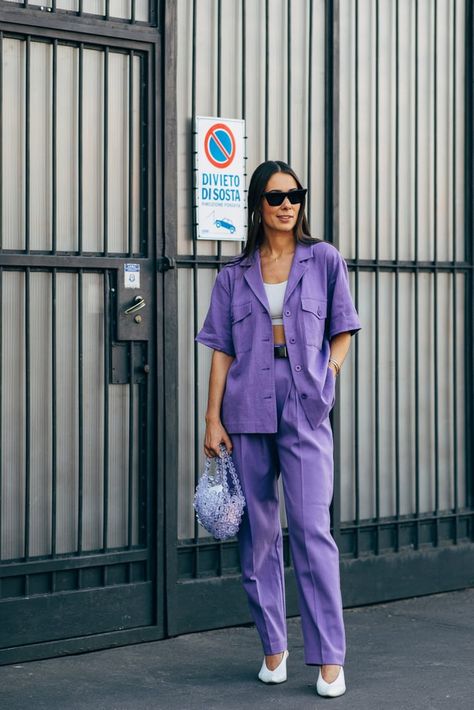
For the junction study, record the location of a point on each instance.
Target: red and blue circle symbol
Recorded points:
(219, 145)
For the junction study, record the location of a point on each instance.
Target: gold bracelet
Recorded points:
(336, 365)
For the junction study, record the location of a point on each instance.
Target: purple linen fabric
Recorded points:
(317, 306)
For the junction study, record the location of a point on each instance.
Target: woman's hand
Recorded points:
(215, 434)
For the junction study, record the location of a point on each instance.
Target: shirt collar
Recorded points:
(253, 275)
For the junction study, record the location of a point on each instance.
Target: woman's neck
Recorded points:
(277, 246)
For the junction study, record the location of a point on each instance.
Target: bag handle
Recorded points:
(227, 461)
(224, 462)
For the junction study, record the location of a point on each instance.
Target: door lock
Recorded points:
(132, 308)
(137, 306)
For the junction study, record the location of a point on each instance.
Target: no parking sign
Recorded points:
(220, 202)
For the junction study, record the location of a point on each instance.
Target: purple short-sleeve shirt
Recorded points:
(317, 306)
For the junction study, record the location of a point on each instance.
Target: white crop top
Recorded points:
(275, 295)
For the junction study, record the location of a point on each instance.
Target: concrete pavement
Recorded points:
(413, 654)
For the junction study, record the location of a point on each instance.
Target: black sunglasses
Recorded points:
(276, 198)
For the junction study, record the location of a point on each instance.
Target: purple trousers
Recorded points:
(304, 456)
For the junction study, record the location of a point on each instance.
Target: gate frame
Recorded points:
(160, 48)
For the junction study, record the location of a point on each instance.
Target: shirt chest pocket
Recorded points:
(242, 326)
(313, 311)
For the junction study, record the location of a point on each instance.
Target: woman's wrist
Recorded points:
(212, 418)
(334, 365)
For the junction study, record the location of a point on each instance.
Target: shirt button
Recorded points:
(292, 340)
(297, 368)
(303, 396)
(287, 313)
(319, 310)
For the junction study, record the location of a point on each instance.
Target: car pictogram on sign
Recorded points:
(225, 224)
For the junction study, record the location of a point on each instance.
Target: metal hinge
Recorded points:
(163, 263)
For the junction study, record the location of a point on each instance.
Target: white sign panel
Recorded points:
(131, 275)
(220, 179)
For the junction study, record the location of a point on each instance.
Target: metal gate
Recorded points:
(79, 551)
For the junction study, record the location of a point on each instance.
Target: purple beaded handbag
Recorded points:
(219, 506)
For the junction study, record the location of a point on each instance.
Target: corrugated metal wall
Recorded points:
(401, 201)
(399, 208)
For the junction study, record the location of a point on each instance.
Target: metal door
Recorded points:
(78, 484)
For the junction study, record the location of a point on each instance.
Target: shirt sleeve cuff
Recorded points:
(344, 325)
(214, 343)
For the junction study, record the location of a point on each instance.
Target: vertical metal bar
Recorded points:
(244, 81)
(219, 243)
(377, 289)
(153, 485)
(267, 68)
(145, 173)
(80, 152)
(27, 142)
(131, 442)
(197, 462)
(151, 516)
(146, 533)
(356, 292)
(53, 424)
(454, 287)
(130, 152)
(309, 69)
(244, 60)
(288, 81)
(397, 280)
(106, 150)
(106, 326)
(54, 168)
(331, 166)
(219, 91)
(134, 11)
(27, 332)
(107, 9)
(81, 8)
(1, 146)
(1, 392)
(80, 373)
(435, 278)
(469, 250)
(53, 410)
(416, 339)
(331, 156)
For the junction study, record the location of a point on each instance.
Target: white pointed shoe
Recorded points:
(331, 690)
(276, 676)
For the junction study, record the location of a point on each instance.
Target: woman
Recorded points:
(280, 324)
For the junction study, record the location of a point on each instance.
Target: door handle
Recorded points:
(137, 306)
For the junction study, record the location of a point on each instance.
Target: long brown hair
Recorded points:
(258, 182)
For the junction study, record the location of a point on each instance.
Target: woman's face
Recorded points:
(283, 217)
